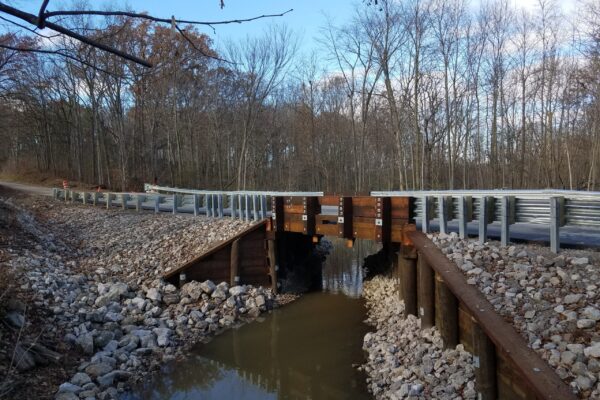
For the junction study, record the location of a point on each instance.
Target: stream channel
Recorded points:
(307, 349)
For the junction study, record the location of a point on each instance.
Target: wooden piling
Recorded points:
(447, 313)
(273, 267)
(272, 264)
(234, 277)
(484, 359)
(408, 282)
(426, 293)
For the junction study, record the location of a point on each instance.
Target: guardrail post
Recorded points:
(196, 204)
(138, 202)
(426, 293)
(484, 360)
(425, 200)
(175, 203)
(263, 206)
(505, 216)
(108, 201)
(408, 280)
(157, 203)
(209, 205)
(555, 219)
(232, 205)
(254, 207)
(234, 278)
(84, 199)
(95, 199)
(247, 207)
(220, 205)
(124, 197)
(54, 193)
(443, 214)
(463, 217)
(446, 306)
(240, 211)
(483, 219)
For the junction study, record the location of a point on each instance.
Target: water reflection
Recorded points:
(305, 350)
(342, 269)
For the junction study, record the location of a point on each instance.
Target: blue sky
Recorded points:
(306, 19)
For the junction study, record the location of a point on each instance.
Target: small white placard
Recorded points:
(378, 222)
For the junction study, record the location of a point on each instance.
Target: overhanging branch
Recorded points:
(32, 19)
(160, 20)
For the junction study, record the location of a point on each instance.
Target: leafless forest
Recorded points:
(410, 94)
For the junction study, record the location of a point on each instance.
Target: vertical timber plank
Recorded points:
(408, 282)
(426, 293)
(446, 306)
(484, 360)
(273, 267)
(234, 273)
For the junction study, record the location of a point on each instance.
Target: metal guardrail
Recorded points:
(240, 205)
(553, 208)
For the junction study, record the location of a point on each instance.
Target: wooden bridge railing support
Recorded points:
(505, 367)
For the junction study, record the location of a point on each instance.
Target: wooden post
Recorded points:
(273, 267)
(446, 306)
(556, 211)
(408, 282)
(425, 200)
(484, 360)
(505, 229)
(483, 219)
(277, 213)
(426, 293)
(443, 214)
(234, 277)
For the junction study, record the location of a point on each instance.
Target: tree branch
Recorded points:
(27, 28)
(205, 54)
(41, 22)
(60, 53)
(32, 19)
(161, 20)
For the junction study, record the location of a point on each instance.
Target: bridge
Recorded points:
(431, 286)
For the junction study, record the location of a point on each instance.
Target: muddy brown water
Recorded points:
(308, 349)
